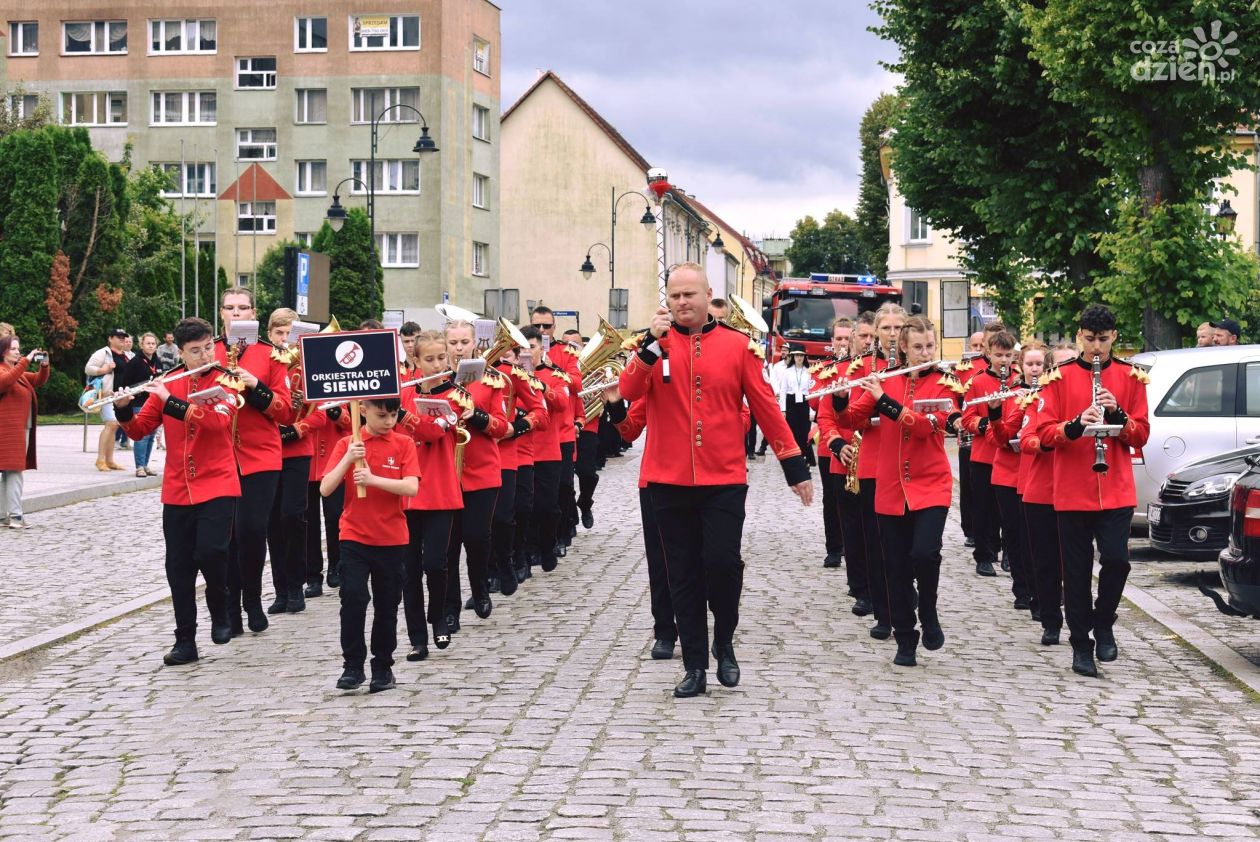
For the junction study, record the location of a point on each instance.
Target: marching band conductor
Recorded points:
(693, 373)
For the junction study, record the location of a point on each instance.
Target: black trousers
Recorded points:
(750, 438)
(986, 519)
(797, 415)
(1041, 532)
(568, 494)
(1010, 511)
(429, 534)
(524, 518)
(249, 536)
(700, 528)
(663, 625)
(876, 575)
(965, 502)
(331, 507)
(849, 509)
(381, 569)
(503, 526)
(831, 507)
(286, 531)
(546, 523)
(1078, 533)
(912, 554)
(587, 468)
(197, 540)
(471, 530)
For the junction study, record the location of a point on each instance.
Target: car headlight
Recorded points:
(1212, 486)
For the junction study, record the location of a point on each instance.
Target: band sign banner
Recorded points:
(353, 365)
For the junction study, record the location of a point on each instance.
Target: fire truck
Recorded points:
(801, 310)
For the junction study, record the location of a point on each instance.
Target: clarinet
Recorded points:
(1100, 443)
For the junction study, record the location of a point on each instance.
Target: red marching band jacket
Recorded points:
(298, 442)
(829, 426)
(487, 426)
(1065, 395)
(912, 470)
(976, 419)
(823, 376)
(564, 357)
(257, 440)
(711, 371)
(871, 426)
(1036, 468)
(435, 450)
(200, 464)
(1000, 433)
(526, 405)
(556, 389)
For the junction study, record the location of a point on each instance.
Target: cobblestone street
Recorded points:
(549, 719)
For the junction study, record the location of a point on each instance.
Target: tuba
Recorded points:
(744, 318)
(506, 337)
(598, 367)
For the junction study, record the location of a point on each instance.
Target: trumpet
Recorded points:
(132, 391)
(845, 385)
(602, 380)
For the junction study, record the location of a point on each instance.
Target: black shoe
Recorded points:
(905, 654)
(220, 632)
(1083, 663)
(522, 573)
(351, 679)
(280, 606)
(879, 631)
(183, 652)
(588, 519)
(235, 624)
(561, 550)
(418, 653)
(507, 582)
(1006, 564)
(985, 568)
(933, 638)
(492, 584)
(1022, 603)
(314, 589)
(1050, 637)
(258, 621)
(441, 635)
(483, 607)
(832, 560)
(969, 541)
(452, 623)
(572, 533)
(693, 684)
(662, 649)
(468, 604)
(1105, 645)
(727, 666)
(548, 562)
(334, 579)
(383, 680)
(1035, 614)
(862, 606)
(297, 602)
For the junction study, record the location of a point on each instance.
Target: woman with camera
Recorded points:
(18, 408)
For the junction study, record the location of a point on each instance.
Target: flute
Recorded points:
(882, 375)
(132, 391)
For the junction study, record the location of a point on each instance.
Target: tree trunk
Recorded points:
(1159, 332)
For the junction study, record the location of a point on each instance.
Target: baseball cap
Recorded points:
(119, 332)
(1228, 324)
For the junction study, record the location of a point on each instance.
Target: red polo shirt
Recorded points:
(377, 519)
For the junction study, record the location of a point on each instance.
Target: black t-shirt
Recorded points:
(129, 372)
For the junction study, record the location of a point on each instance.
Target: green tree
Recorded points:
(872, 206)
(11, 121)
(356, 282)
(29, 228)
(834, 247)
(270, 278)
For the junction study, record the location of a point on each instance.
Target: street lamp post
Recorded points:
(336, 215)
(648, 221)
(1226, 218)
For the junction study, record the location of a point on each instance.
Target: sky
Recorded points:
(752, 107)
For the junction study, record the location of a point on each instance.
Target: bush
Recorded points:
(59, 394)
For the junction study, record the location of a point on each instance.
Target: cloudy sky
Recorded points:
(753, 107)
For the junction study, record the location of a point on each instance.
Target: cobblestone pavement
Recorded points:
(549, 720)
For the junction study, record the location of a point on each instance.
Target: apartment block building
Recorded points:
(260, 111)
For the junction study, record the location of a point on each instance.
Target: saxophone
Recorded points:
(851, 482)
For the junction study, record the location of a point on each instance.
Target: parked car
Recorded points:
(1240, 560)
(1191, 517)
(1202, 401)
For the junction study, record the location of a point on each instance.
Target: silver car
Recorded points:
(1202, 401)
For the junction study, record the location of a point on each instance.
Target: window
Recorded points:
(22, 106)
(392, 176)
(256, 144)
(914, 292)
(183, 36)
(369, 102)
(399, 250)
(24, 38)
(186, 108)
(1202, 392)
(481, 191)
(243, 279)
(955, 309)
(95, 36)
(1253, 389)
(312, 178)
(384, 32)
(312, 105)
(256, 217)
(304, 238)
(619, 308)
(94, 109)
(256, 73)
(196, 179)
(481, 122)
(311, 35)
(917, 231)
(481, 56)
(480, 259)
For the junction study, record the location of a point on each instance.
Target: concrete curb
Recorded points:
(67, 630)
(51, 500)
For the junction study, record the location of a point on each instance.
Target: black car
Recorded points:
(1192, 515)
(1240, 560)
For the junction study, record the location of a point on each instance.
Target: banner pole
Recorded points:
(356, 438)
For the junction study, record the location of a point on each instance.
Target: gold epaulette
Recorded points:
(287, 356)
(493, 379)
(1140, 375)
(520, 373)
(828, 372)
(1024, 400)
(633, 343)
(853, 366)
(563, 376)
(571, 351)
(1055, 374)
(231, 381)
(952, 383)
(817, 366)
(967, 366)
(756, 349)
(536, 384)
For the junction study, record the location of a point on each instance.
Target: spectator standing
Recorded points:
(167, 353)
(18, 407)
(792, 383)
(120, 435)
(103, 364)
(141, 367)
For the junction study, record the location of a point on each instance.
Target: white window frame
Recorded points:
(192, 103)
(247, 210)
(304, 238)
(481, 259)
(391, 176)
(17, 105)
(305, 172)
(249, 70)
(481, 56)
(361, 98)
(189, 33)
(481, 191)
(106, 28)
(100, 100)
(244, 279)
(911, 239)
(484, 113)
(300, 23)
(264, 144)
(17, 38)
(390, 247)
(387, 47)
(303, 112)
(199, 172)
